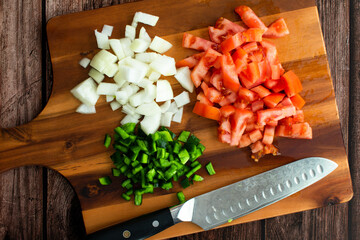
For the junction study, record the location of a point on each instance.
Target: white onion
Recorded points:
(178, 115)
(134, 24)
(115, 105)
(107, 30)
(126, 43)
(182, 99)
(148, 109)
(147, 57)
(102, 40)
(118, 78)
(150, 124)
(142, 68)
(134, 89)
(144, 35)
(139, 45)
(109, 98)
(154, 76)
(183, 77)
(130, 32)
(130, 74)
(137, 99)
(128, 109)
(163, 91)
(115, 45)
(129, 119)
(144, 82)
(84, 62)
(150, 93)
(145, 18)
(166, 119)
(164, 65)
(85, 109)
(173, 108)
(122, 97)
(165, 106)
(111, 69)
(86, 92)
(107, 88)
(102, 59)
(96, 75)
(160, 45)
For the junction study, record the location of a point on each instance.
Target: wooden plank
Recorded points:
(330, 221)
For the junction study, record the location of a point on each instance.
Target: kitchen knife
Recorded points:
(227, 203)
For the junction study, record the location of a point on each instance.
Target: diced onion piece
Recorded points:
(145, 18)
(129, 119)
(144, 35)
(109, 98)
(137, 99)
(154, 76)
(173, 108)
(144, 82)
(102, 40)
(178, 115)
(164, 65)
(122, 97)
(115, 45)
(111, 69)
(96, 75)
(160, 45)
(164, 91)
(84, 62)
(115, 105)
(134, 24)
(139, 45)
(86, 92)
(118, 78)
(165, 106)
(107, 88)
(130, 89)
(150, 124)
(182, 99)
(148, 109)
(130, 32)
(85, 109)
(134, 89)
(166, 119)
(107, 30)
(102, 59)
(141, 67)
(126, 43)
(128, 109)
(130, 74)
(147, 57)
(183, 77)
(150, 93)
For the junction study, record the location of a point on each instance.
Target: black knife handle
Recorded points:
(137, 228)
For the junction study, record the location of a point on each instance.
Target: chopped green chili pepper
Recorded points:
(105, 180)
(181, 197)
(197, 178)
(184, 135)
(210, 169)
(116, 172)
(107, 140)
(192, 171)
(184, 156)
(121, 132)
(126, 197)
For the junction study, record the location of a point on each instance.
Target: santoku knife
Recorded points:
(230, 202)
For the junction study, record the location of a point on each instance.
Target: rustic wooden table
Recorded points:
(37, 203)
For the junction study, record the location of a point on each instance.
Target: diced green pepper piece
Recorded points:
(116, 172)
(123, 168)
(126, 182)
(105, 180)
(160, 153)
(121, 148)
(127, 160)
(197, 178)
(201, 147)
(170, 172)
(152, 146)
(126, 197)
(117, 157)
(149, 188)
(138, 198)
(184, 156)
(160, 174)
(210, 169)
(191, 149)
(184, 135)
(193, 164)
(126, 142)
(129, 127)
(177, 147)
(165, 135)
(135, 163)
(192, 141)
(185, 183)
(173, 135)
(175, 178)
(142, 144)
(129, 186)
(195, 155)
(129, 192)
(107, 140)
(150, 174)
(192, 171)
(178, 164)
(230, 220)
(167, 186)
(181, 197)
(121, 132)
(144, 158)
(137, 169)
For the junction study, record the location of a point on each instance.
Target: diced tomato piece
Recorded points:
(298, 101)
(216, 80)
(270, 83)
(298, 130)
(292, 83)
(240, 65)
(250, 47)
(273, 99)
(261, 91)
(253, 126)
(238, 124)
(232, 42)
(229, 99)
(269, 115)
(207, 77)
(247, 83)
(244, 141)
(253, 119)
(257, 105)
(269, 133)
(240, 54)
(258, 55)
(190, 61)
(224, 28)
(247, 94)
(255, 135)
(230, 78)
(297, 118)
(241, 104)
(204, 87)
(286, 102)
(227, 111)
(225, 125)
(275, 71)
(253, 35)
(256, 147)
(253, 72)
(213, 95)
(201, 97)
(197, 43)
(277, 29)
(224, 137)
(270, 52)
(279, 86)
(207, 111)
(250, 18)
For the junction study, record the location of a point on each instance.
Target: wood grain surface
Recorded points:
(336, 17)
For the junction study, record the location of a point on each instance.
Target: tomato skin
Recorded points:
(298, 101)
(247, 83)
(298, 130)
(230, 78)
(273, 99)
(202, 68)
(261, 91)
(191, 61)
(250, 18)
(279, 86)
(201, 97)
(253, 35)
(214, 95)
(269, 134)
(229, 99)
(216, 80)
(227, 111)
(207, 111)
(269, 116)
(224, 28)
(277, 29)
(238, 124)
(244, 141)
(253, 72)
(247, 94)
(232, 42)
(197, 43)
(292, 84)
(270, 52)
(255, 135)
(250, 47)
(257, 105)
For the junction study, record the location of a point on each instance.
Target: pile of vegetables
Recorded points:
(242, 85)
(154, 161)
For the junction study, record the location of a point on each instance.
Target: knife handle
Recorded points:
(137, 228)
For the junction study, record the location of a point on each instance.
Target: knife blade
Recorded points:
(230, 202)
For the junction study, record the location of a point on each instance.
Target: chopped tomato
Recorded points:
(277, 29)
(230, 78)
(273, 99)
(197, 43)
(255, 135)
(280, 86)
(207, 111)
(298, 101)
(270, 52)
(241, 104)
(253, 35)
(298, 130)
(232, 42)
(224, 28)
(244, 141)
(207, 77)
(257, 105)
(240, 54)
(256, 147)
(270, 83)
(275, 72)
(297, 118)
(292, 84)
(247, 94)
(238, 124)
(250, 47)
(227, 111)
(224, 131)
(190, 61)
(213, 95)
(261, 91)
(268, 135)
(247, 83)
(216, 80)
(286, 102)
(201, 97)
(250, 18)
(253, 72)
(258, 55)
(229, 99)
(269, 115)
(253, 126)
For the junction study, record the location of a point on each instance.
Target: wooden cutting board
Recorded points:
(71, 143)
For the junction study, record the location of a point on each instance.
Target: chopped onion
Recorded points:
(144, 35)
(147, 57)
(128, 109)
(182, 99)
(178, 115)
(109, 98)
(145, 18)
(130, 32)
(111, 69)
(142, 68)
(85, 109)
(126, 43)
(139, 45)
(164, 65)
(86, 92)
(122, 97)
(163, 91)
(148, 109)
(129, 119)
(150, 93)
(96, 75)
(165, 106)
(144, 82)
(102, 59)
(102, 40)
(115, 45)
(130, 74)
(183, 77)
(134, 89)
(154, 76)
(118, 78)
(134, 24)
(173, 108)
(115, 105)
(107, 30)
(107, 88)
(150, 124)
(160, 45)
(137, 99)
(84, 62)
(166, 119)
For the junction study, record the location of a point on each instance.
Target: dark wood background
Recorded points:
(37, 203)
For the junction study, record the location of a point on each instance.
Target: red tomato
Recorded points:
(190, 41)
(279, 86)
(249, 17)
(255, 135)
(224, 28)
(207, 77)
(250, 47)
(261, 91)
(244, 141)
(257, 105)
(241, 104)
(247, 83)
(207, 111)
(270, 83)
(230, 78)
(201, 97)
(292, 84)
(273, 99)
(232, 42)
(238, 124)
(298, 130)
(298, 101)
(216, 80)
(270, 52)
(258, 55)
(227, 111)
(256, 147)
(253, 35)
(213, 95)
(270, 115)
(224, 131)
(268, 135)
(275, 72)
(229, 99)
(286, 102)
(253, 72)
(190, 61)
(277, 29)
(247, 94)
